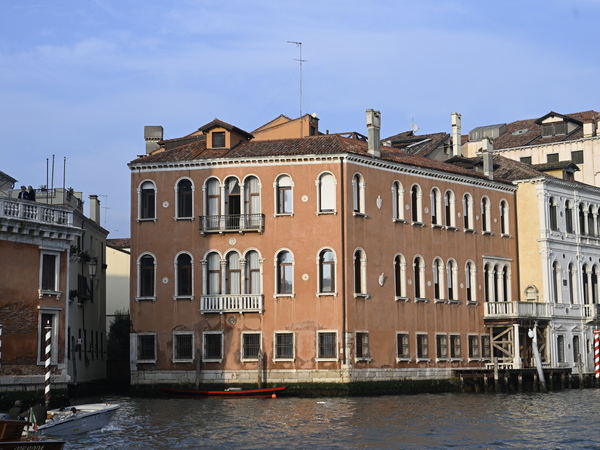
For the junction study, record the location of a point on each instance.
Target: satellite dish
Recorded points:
(414, 127)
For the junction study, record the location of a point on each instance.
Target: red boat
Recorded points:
(227, 393)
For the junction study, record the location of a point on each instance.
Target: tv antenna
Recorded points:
(299, 45)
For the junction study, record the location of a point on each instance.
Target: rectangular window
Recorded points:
(49, 280)
(455, 351)
(474, 347)
(526, 159)
(284, 345)
(560, 344)
(552, 157)
(402, 345)
(486, 351)
(148, 202)
(213, 346)
(441, 346)
(218, 139)
(577, 156)
(576, 350)
(250, 345)
(362, 345)
(184, 346)
(146, 350)
(422, 346)
(327, 345)
(284, 200)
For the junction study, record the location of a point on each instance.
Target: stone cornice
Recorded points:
(366, 161)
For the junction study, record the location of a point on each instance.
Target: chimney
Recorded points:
(456, 138)
(152, 135)
(487, 152)
(373, 129)
(589, 128)
(95, 209)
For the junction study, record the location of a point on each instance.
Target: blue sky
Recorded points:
(80, 79)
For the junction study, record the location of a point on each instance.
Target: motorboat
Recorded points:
(77, 419)
(12, 438)
(227, 393)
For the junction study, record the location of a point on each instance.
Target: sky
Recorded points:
(79, 80)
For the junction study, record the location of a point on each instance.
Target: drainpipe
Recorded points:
(343, 259)
(536, 353)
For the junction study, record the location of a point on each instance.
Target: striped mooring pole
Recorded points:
(597, 352)
(48, 353)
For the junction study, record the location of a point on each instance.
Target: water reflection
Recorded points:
(471, 421)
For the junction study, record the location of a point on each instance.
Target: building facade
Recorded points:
(315, 259)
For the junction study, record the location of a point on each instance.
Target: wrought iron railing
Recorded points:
(232, 223)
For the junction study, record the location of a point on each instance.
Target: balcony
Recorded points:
(516, 310)
(231, 303)
(592, 312)
(40, 213)
(232, 223)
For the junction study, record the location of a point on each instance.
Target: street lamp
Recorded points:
(92, 268)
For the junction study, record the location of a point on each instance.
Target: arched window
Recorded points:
(284, 195)
(184, 275)
(504, 224)
(358, 193)
(585, 275)
(452, 280)
(485, 215)
(285, 273)
(184, 199)
(212, 203)
(252, 190)
(233, 203)
(468, 211)
(146, 276)
(572, 283)
(553, 213)
(419, 276)
(470, 282)
(569, 217)
(505, 285)
(147, 200)
(233, 274)
(253, 285)
(436, 207)
(360, 272)
(582, 219)
(213, 276)
(398, 200)
(438, 278)
(590, 221)
(595, 284)
(450, 206)
(416, 203)
(326, 272)
(488, 275)
(400, 276)
(556, 282)
(326, 193)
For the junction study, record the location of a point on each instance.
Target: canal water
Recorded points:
(558, 420)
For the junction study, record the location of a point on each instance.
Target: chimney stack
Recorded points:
(589, 128)
(373, 129)
(456, 137)
(152, 135)
(95, 209)
(487, 152)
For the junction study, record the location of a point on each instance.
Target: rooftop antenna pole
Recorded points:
(64, 174)
(299, 45)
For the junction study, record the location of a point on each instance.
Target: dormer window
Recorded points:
(554, 129)
(218, 139)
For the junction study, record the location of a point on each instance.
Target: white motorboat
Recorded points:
(78, 419)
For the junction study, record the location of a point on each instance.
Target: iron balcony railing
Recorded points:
(231, 303)
(24, 210)
(232, 223)
(516, 310)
